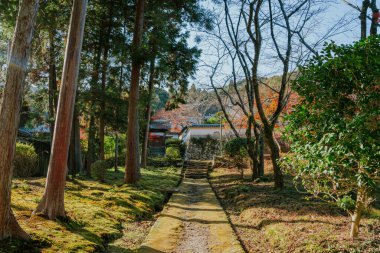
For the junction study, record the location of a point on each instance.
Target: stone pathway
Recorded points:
(192, 222)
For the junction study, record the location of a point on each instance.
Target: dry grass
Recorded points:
(98, 213)
(267, 220)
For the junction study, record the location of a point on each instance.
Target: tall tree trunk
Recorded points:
(132, 170)
(252, 152)
(116, 151)
(52, 203)
(53, 99)
(102, 123)
(90, 145)
(75, 156)
(148, 110)
(71, 170)
(275, 156)
(357, 215)
(363, 18)
(91, 156)
(261, 155)
(375, 19)
(78, 148)
(10, 112)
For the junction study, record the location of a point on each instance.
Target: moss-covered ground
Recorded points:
(268, 220)
(97, 213)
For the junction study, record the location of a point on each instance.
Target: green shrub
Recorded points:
(25, 161)
(99, 169)
(173, 153)
(236, 149)
(158, 162)
(173, 143)
(120, 161)
(334, 131)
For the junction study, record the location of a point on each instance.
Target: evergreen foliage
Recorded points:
(334, 131)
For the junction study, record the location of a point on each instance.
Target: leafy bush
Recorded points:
(335, 131)
(99, 169)
(25, 161)
(173, 153)
(236, 149)
(111, 161)
(164, 162)
(173, 142)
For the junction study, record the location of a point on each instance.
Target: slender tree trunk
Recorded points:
(144, 152)
(132, 170)
(91, 145)
(363, 18)
(116, 151)
(92, 129)
(252, 151)
(261, 155)
(71, 163)
(275, 156)
(102, 123)
(75, 157)
(52, 203)
(78, 148)
(357, 215)
(53, 99)
(375, 21)
(10, 112)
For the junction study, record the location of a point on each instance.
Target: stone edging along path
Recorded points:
(192, 221)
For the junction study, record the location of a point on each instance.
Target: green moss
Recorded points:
(96, 211)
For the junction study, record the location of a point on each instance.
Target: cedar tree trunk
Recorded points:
(52, 203)
(132, 170)
(53, 99)
(102, 123)
(10, 112)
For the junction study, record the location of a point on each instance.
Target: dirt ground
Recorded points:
(267, 220)
(193, 221)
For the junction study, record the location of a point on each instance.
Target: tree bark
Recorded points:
(357, 215)
(275, 156)
(52, 203)
(75, 157)
(374, 21)
(132, 170)
(10, 112)
(363, 19)
(148, 110)
(102, 123)
(53, 99)
(92, 129)
(78, 148)
(116, 151)
(261, 155)
(90, 145)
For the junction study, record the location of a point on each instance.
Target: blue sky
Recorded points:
(331, 16)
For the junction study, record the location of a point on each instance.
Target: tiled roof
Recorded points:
(205, 125)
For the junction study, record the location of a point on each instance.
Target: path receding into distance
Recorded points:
(193, 220)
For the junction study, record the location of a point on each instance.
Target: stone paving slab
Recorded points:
(192, 222)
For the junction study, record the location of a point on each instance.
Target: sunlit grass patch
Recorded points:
(96, 211)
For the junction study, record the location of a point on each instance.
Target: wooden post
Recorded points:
(52, 203)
